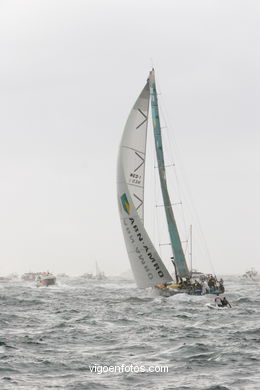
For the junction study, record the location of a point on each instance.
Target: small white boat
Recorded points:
(215, 307)
(46, 279)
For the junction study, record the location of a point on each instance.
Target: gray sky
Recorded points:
(70, 72)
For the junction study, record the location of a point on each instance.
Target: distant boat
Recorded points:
(100, 275)
(30, 276)
(45, 279)
(252, 274)
(88, 276)
(148, 267)
(5, 279)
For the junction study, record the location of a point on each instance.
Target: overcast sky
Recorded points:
(70, 72)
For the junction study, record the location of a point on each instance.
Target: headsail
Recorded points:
(146, 263)
(179, 258)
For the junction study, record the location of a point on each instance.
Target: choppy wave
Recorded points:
(52, 337)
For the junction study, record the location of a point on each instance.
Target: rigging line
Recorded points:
(178, 189)
(151, 63)
(171, 204)
(191, 201)
(161, 234)
(156, 228)
(180, 196)
(166, 166)
(155, 202)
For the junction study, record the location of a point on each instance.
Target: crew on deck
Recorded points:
(205, 285)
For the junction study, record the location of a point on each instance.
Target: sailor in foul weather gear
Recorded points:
(205, 288)
(225, 302)
(218, 300)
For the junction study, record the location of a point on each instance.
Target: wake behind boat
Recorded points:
(214, 307)
(147, 265)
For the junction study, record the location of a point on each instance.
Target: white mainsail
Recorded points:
(146, 263)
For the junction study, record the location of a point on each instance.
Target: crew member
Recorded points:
(218, 301)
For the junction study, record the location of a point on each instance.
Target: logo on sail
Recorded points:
(125, 203)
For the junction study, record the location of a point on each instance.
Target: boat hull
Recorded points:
(168, 292)
(214, 307)
(213, 291)
(47, 281)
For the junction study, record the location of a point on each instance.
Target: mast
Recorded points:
(178, 254)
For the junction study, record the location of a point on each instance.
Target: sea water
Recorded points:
(84, 334)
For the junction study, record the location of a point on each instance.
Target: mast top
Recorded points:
(151, 76)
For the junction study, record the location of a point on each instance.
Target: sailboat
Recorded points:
(100, 275)
(147, 265)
